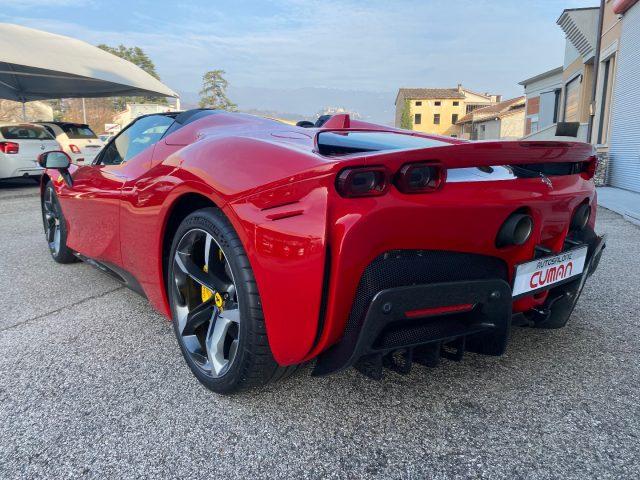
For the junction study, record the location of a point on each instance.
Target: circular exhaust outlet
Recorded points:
(516, 230)
(581, 217)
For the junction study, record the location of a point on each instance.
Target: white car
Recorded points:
(20, 146)
(77, 140)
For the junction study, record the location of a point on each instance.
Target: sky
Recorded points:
(299, 56)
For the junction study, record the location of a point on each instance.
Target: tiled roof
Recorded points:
(496, 110)
(431, 93)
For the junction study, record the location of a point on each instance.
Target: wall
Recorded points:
(512, 125)
(446, 110)
(533, 90)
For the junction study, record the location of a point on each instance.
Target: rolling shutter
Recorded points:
(624, 144)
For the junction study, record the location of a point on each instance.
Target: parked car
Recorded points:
(77, 140)
(105, 137)
(20, 146)
(353, 244)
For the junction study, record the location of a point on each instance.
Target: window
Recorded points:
(437, 103)
(454, 118)
(605, 103)
(455, 104)
(50, 130)
(571, 100)
(25, 132)
(417, 119)
(556, 109)
(436, 119)
(418, 104)
(141, 134)
(548, 109)
(77, 131)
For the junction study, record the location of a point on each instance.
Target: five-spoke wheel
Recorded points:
(55, 229)
(216, 308)
(205, 300)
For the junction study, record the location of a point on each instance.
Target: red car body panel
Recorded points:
(307, 245)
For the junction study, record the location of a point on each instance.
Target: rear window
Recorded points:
(25, 132)
(77, 132)
(343, 143)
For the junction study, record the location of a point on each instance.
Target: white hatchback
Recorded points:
(76, 139)
(20, 146)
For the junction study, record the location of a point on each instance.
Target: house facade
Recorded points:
(596, 87)
(619, 137)
(500, 121)
(543, 94)
(437, 110)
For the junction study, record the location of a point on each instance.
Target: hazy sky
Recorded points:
(338, 44)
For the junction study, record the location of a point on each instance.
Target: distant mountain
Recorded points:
(306, 102)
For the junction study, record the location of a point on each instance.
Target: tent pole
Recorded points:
(24, 111)
(84, 113)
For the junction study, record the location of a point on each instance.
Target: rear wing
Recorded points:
(450, 153)
(487, 154)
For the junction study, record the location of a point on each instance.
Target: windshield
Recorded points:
(342, 143)
(77, 131)
(25, 132)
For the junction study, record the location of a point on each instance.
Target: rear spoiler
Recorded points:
(461, 154)
(487, 154)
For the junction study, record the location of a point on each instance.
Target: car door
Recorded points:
(92, 202)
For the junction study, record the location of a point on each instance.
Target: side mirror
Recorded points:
(54, 159)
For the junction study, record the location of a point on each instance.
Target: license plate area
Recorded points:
(546, 272)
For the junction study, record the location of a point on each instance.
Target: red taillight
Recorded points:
(74, 148)
(420, 177)
(9, 147)
(362, 182)
(430, 312)
(589, 167)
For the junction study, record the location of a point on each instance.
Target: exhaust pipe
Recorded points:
(516, 230)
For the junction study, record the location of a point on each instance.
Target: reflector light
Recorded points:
(362, 182)
(430, 312)
(74, 148)
(9, 147)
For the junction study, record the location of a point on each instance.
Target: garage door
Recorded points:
(624, 145)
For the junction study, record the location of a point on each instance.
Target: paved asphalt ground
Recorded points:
(92, 384)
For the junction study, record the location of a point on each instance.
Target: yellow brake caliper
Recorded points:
(206, 294)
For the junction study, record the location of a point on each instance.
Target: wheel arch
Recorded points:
(182, 206)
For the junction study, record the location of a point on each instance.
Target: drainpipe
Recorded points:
(596, 68)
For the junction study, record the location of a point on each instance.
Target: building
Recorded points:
(543, 93)
(437, 110)
(596, 87)
(564, 93)
(500, 121)
(619, 137)
(135, 110)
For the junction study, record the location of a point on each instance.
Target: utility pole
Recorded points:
(84, 112)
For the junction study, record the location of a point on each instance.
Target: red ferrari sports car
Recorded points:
(350, 243)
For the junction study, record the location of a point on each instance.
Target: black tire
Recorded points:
(52, 217)
(253, 364)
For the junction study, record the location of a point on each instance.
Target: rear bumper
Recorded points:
(19, 168)
(476, 313)
(387, 326)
